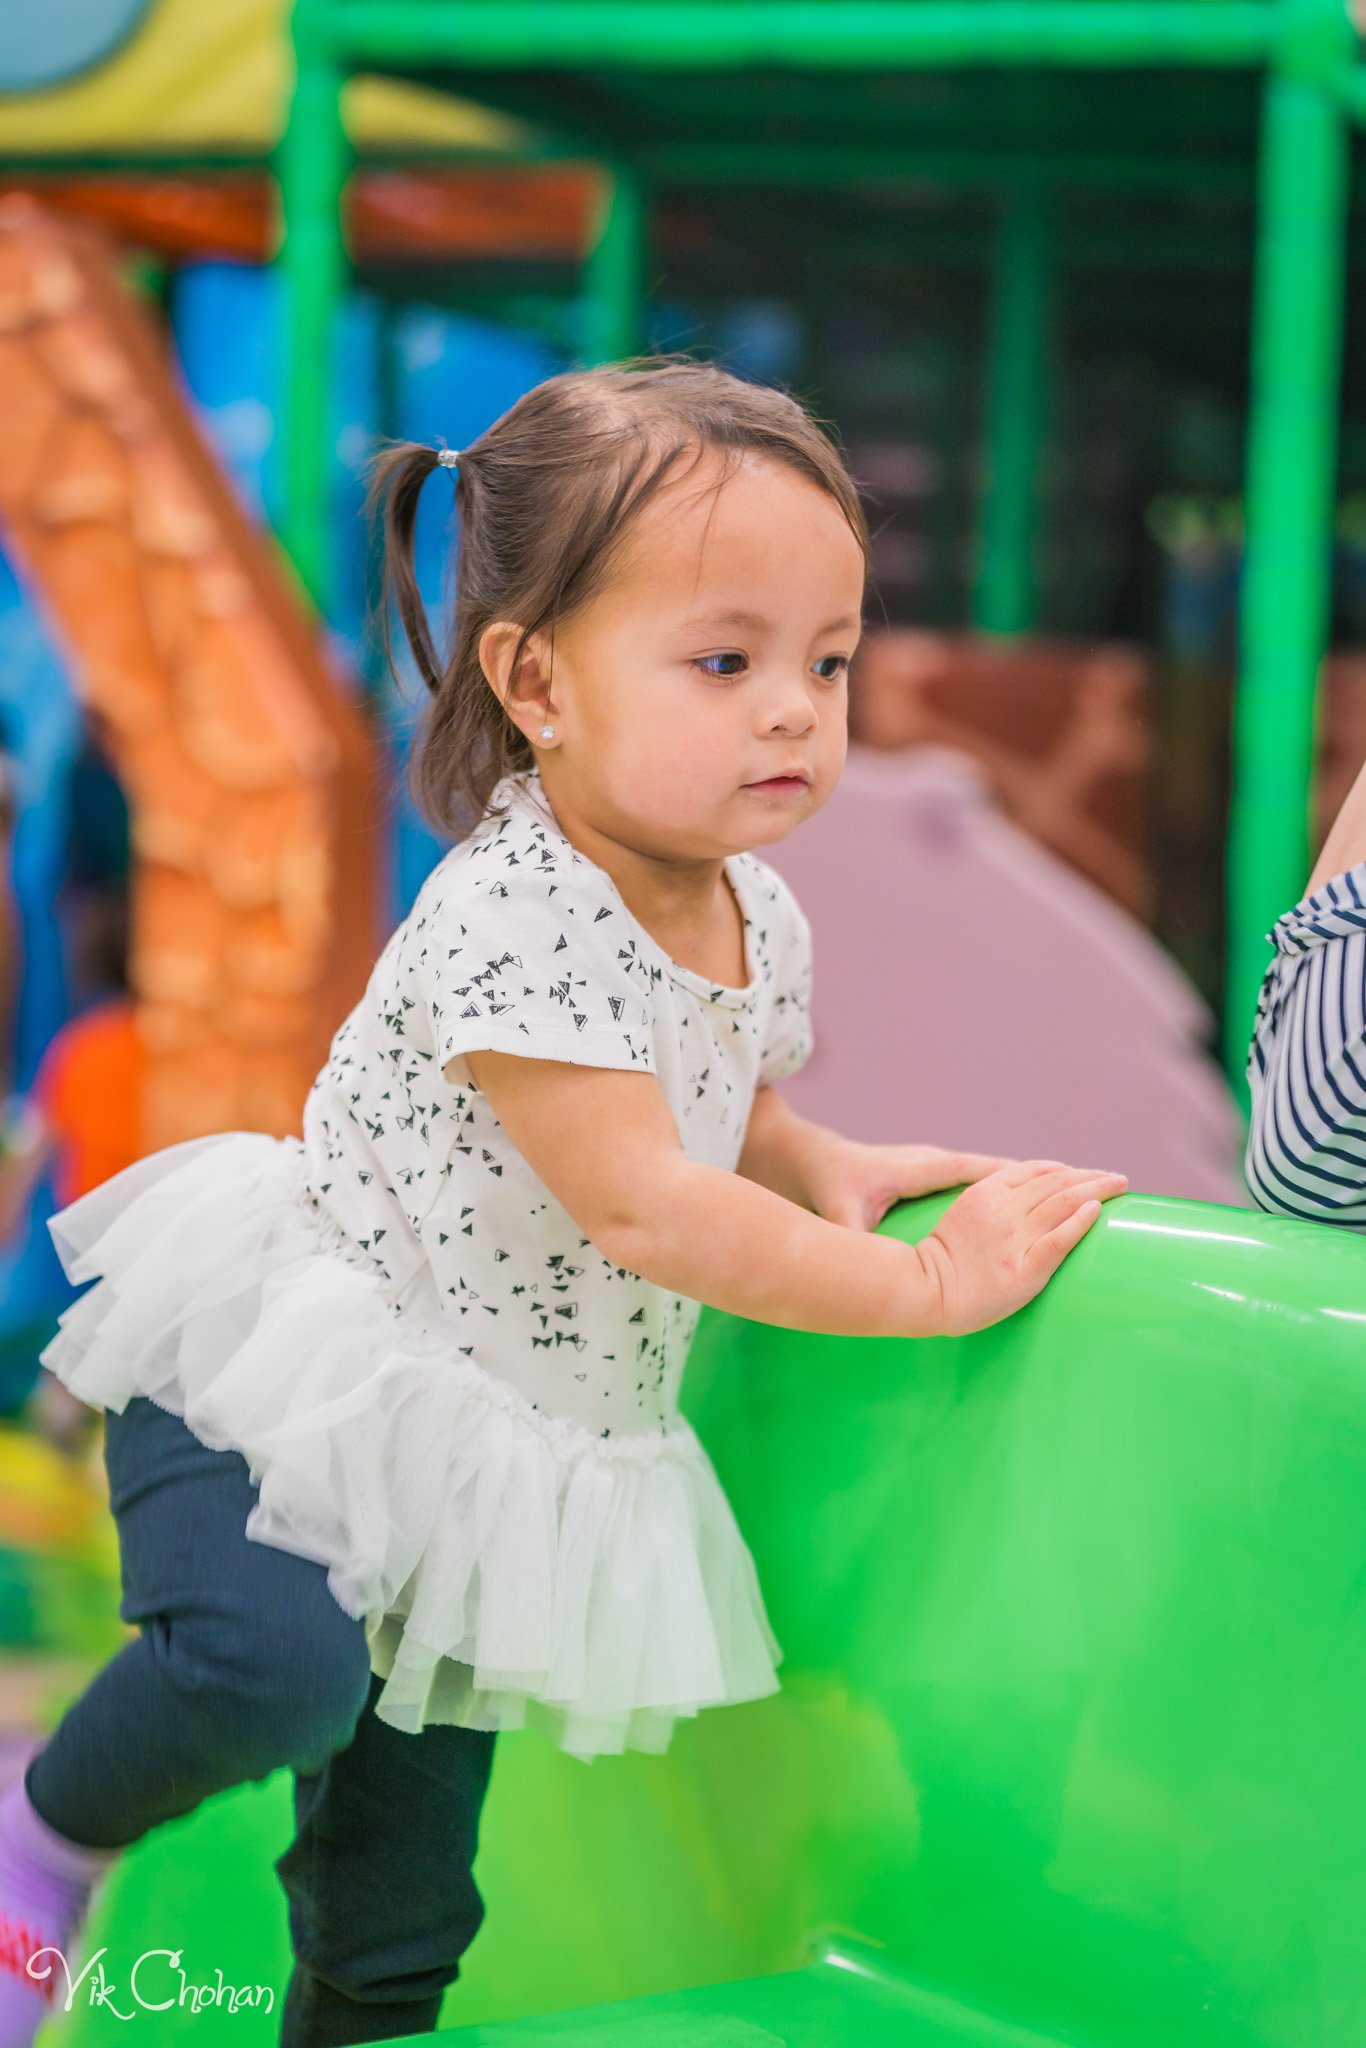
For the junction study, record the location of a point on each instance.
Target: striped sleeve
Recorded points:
(1306, 1153)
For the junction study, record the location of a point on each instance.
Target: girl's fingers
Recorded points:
(1068, 1234)
(944, 1169)
(1070, 1180)
(1102, 1185)
(1018, 1171)
(1045, 1185)
(971, 1166)
(1047, 1215)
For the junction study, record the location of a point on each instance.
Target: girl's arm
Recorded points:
(606, 1145)
(781, 1149)
(841, 1179)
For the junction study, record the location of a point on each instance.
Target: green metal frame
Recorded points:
(1017, 388)
(1313, 89)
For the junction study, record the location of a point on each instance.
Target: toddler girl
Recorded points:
(393, 1438)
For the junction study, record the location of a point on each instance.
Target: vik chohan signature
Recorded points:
(156, 1983)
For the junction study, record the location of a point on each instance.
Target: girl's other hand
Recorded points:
(855, 1184)
(1004, 1238)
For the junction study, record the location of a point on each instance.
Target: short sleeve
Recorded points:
(789, 1039)
(1306, 1151)
(1325, 918)
(534, 963)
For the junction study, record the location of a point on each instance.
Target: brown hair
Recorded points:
(545, 497)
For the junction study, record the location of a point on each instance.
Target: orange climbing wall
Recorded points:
(251, 774)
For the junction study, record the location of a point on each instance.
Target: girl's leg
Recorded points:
(244, 1663)
(382, 1897)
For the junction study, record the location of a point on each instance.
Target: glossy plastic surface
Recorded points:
(1099, 1577)
(1072, 1736)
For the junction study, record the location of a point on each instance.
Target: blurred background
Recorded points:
(1077, 286)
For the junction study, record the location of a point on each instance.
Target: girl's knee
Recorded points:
(315, 1694)
(285, 1686)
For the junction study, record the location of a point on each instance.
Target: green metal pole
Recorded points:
(1017, 406)
(1351, 89)
(313, 164)
(1291, 468)
(613, 304)
(702, 34)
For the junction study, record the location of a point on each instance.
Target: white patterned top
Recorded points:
(518, 942)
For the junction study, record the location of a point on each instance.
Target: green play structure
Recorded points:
(1069, 1744)
(1019, 103)
(1070, 1750)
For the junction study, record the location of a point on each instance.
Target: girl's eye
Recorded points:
(704, 662)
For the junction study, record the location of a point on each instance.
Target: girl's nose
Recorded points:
(792, 711)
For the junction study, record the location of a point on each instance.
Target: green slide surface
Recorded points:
(1071, 1745)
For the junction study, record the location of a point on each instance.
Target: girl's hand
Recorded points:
(1004, 1238)
(857, 1184)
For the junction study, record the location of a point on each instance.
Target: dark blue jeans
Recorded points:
(245, 1664)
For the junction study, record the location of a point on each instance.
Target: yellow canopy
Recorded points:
(218, 78)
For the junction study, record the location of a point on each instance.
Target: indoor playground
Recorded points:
(1070, 1746)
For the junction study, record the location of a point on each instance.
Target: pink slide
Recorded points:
(972, 990)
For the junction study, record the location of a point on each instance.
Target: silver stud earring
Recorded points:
(547, 732)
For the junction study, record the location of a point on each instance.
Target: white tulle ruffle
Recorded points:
(511, 1566)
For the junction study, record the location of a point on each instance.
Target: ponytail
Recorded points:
(396, 477)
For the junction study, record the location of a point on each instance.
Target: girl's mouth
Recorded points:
(781, 785)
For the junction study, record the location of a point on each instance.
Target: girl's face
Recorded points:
(717, 659)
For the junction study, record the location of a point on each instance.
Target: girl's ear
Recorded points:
(520, 681)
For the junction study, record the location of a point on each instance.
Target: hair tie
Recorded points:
(448, 457)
